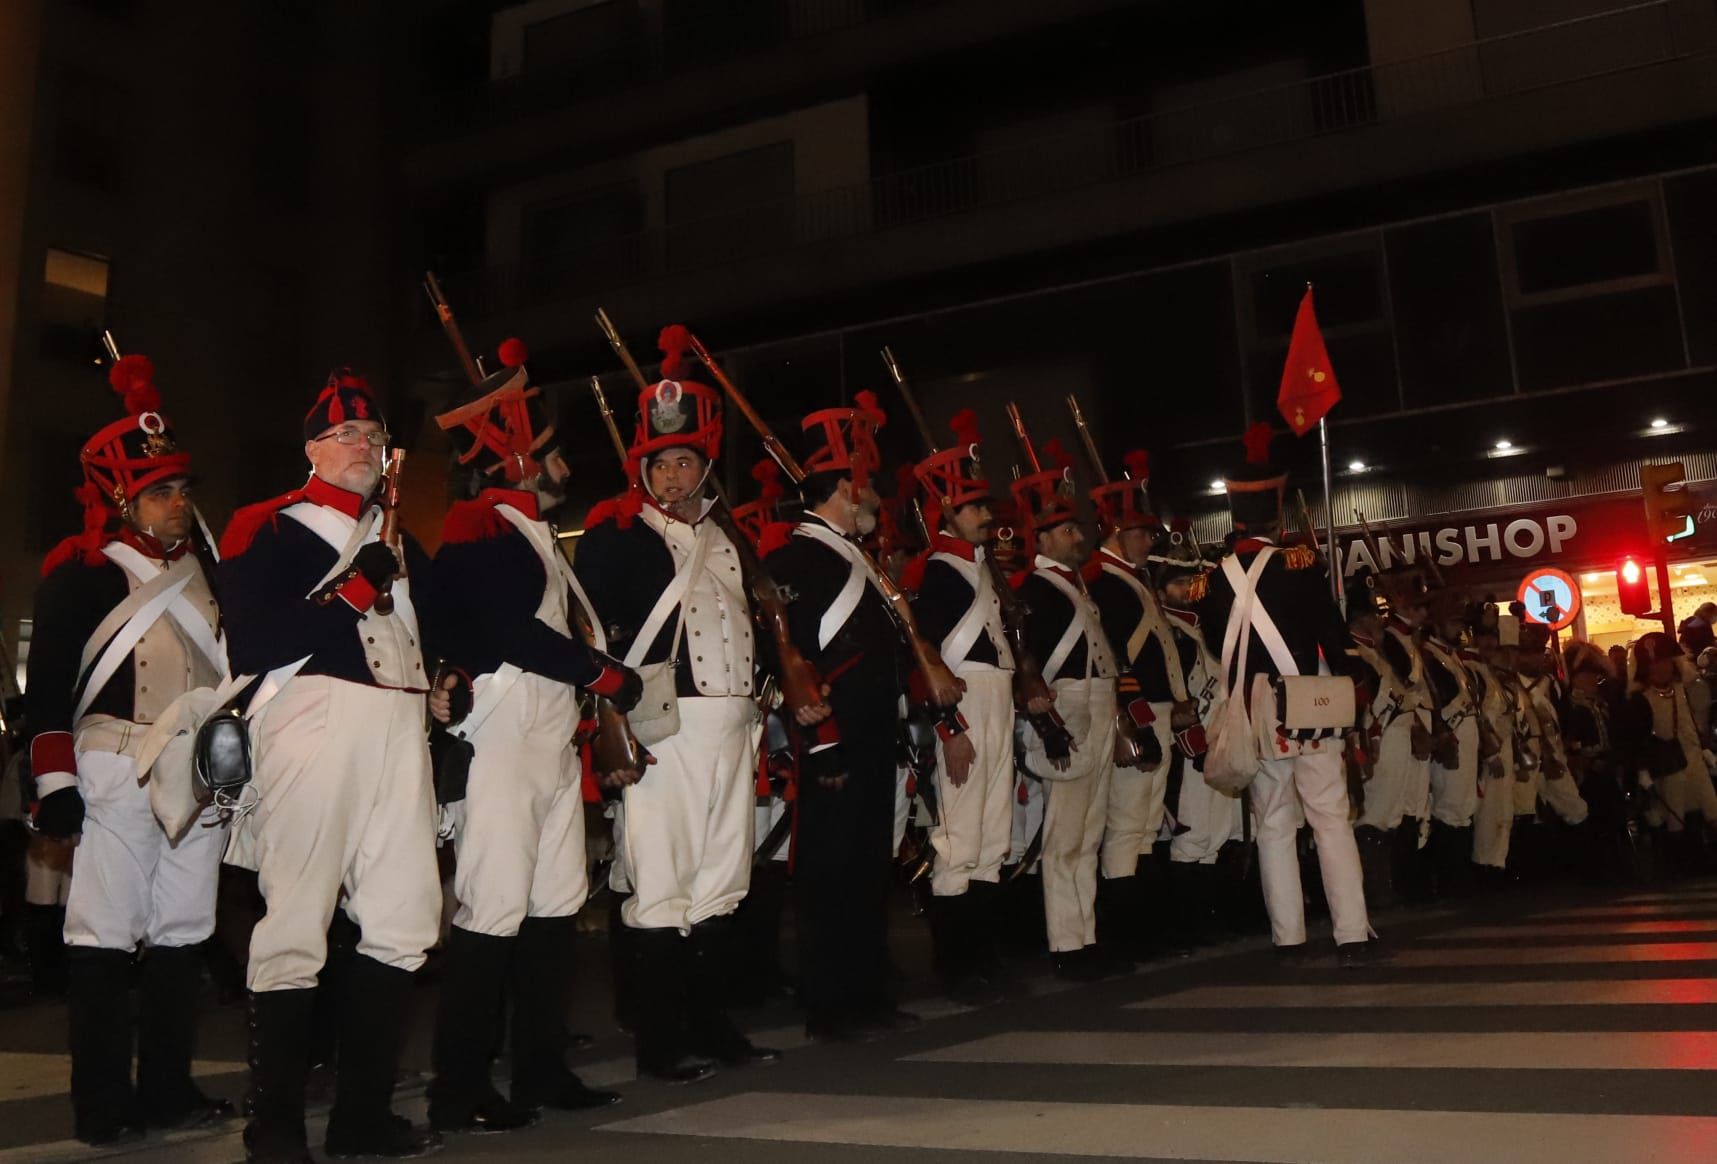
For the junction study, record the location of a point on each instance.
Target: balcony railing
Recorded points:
(1626, 39)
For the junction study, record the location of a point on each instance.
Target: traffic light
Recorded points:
(1632, 590)
(1668, 514)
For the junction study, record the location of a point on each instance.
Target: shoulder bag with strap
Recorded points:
(657, 715)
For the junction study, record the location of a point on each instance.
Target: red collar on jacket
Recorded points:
(151, 547)
(522, 500)
(943, 543)
(334, 497)
(1251, 545)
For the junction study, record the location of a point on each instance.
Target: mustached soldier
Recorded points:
(125, 623)
(345, 802)
(509, 599)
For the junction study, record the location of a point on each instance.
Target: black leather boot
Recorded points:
(98, 1012)
(714, 956)
(167, 1040)
(462, 1096)
(373, 1015)
(542, 993)
(659, 970)
(279, 1062)
(45, 932)
(1377, 866)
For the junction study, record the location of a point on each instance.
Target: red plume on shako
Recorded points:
(954, 476)
(499, 426)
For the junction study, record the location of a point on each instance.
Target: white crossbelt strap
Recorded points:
(980, 616)
(191, 620)
(325, 525)
(1151, 622)
(1083, 624)
(1244, 584)
(159, 592)
(1259, 616)
(858, 573)
(671, 598)
(555, 563)
(500, 682)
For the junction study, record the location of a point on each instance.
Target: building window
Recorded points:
(74, 306)
(730, 207)
(89, 135)
(591, 45)
(584, 243)
(1589, 288)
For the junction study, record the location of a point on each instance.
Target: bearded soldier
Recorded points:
(510, 601)
(1065, 630)
(959, 611)
(322, 610)
(1455, 745)
(1553, 780)
(667, 586)
(125, 623)
(1301, 779)
(841, 623)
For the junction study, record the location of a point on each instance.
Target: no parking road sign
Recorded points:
(1551, 597)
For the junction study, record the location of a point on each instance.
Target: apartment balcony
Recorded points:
(1618, 73)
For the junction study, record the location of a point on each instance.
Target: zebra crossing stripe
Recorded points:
(1603, 992)
(1253, 1135)
(1540, 953)
(1508, 1050)
(1690, 927)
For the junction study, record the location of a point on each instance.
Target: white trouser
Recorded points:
(1493, 821)
(688, 823)
(1310, 789)
(1455, 791)
(520, 842)
(1400, 785)
(345, 802)
(973, 837)
(129, 884)
(1074, 805)
(1134, 814)
(1563, 796)
(1211, 818)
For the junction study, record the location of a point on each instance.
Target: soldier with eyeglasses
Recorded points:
(342, 779)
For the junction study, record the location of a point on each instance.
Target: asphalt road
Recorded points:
(1551, 1028)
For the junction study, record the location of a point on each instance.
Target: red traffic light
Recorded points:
(1633, 592)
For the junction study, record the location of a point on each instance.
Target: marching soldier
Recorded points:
(1303, 778)
(1493, 818)
(509, 600)
(1552, 779)
(1456, 745)
(959, 610)
(1065, 630)
(1152, 685)
(125, 623)
(1209, 818)
(322, 610)
(841, 623)
(666, 585)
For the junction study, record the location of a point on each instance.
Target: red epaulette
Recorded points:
(621, 510)
(78, 546)
(1018, 578)
(1091, 570)
(773, 536)
(473, 521)
(249, 520)
(912, 574)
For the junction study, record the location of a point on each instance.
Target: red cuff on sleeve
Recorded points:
(357, 593)
(826, 733)
(1140, 710)
(947, 731)
(53, 752)
(609, 682)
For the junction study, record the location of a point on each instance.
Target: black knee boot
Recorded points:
(373, 1017)
(98, 1012)
(462, 1097)
(331, 990)
(167, 1040)
(279, 1063)
(45, 927)
(1375, 865)
(542, 993)
(659, 975)
(714, 956)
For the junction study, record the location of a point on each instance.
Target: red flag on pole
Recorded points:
(1309, 389)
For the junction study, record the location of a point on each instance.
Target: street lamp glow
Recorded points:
(1217, 486)
(1356, 466)
(1659, 422)
(1504, 445)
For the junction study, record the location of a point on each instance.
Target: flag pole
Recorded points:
(1329, 519)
